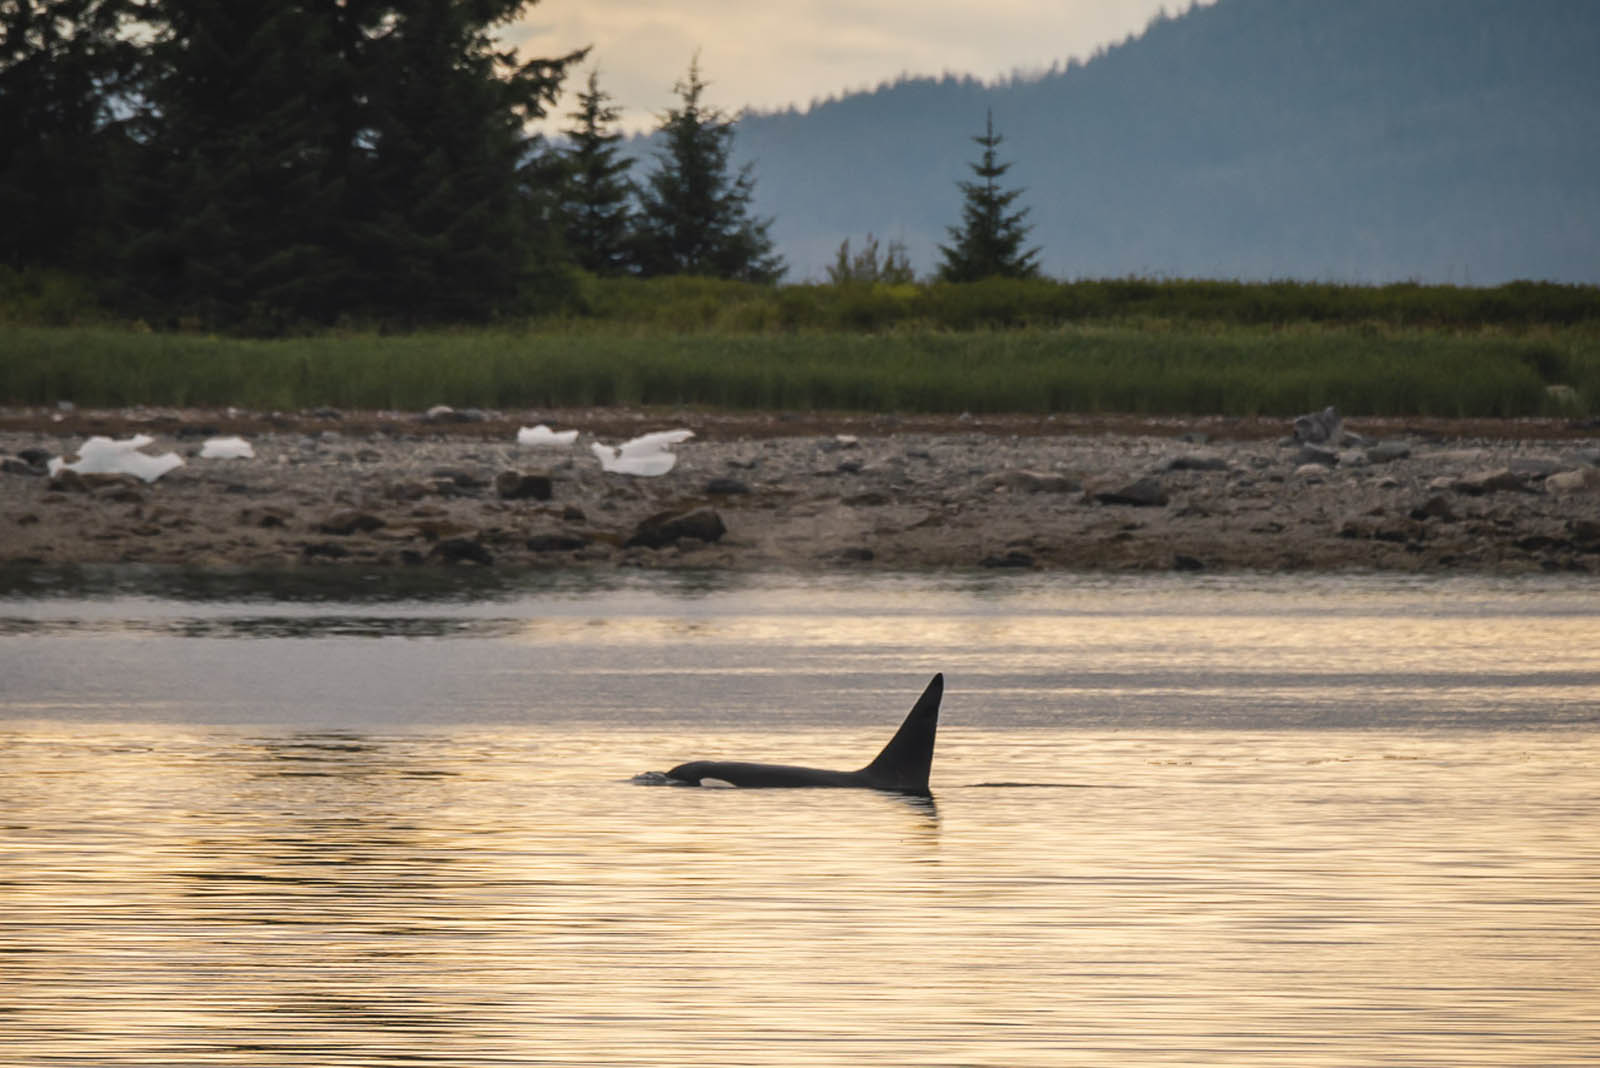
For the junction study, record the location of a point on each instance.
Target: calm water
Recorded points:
(1252, 821)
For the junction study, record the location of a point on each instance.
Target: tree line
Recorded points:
(263, 167)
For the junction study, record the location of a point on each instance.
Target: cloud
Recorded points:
(769, 56)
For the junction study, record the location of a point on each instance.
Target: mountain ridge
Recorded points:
(1452, 141)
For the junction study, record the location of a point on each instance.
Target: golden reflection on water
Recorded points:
(200, 895)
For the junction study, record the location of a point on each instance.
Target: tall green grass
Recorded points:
(1160, 368)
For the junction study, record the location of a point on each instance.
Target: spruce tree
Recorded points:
(988, 243)
(595, 212)
(694, 215)
(62, 62)
(305, 162)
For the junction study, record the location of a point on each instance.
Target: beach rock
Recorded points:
(68, 481)
(1567, 482)
(1313, 454)
(36, 456)
(665, 528)
(518, 486)
(406, 491)
(460, 478)
(443, 413)
(461, 551)
(1385, 452)
(12, 465)
(344, 524)
(1316, 428)
(1585, 533)
(1039, 482)
(1311, 472)
(1479, 483)
(1184, 562)
(313, 550)
(1141, 493)
(1010, 558)
(723, 487)
(1435, 507)
(1197, 463)
(869, 499)
(1536, 467)
(556, 543)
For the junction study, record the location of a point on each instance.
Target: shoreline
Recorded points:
(812, 491)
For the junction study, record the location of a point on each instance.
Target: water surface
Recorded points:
(1249, 821)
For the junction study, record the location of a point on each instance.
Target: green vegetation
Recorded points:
(1125, 345)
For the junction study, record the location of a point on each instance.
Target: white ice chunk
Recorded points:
(102, 456)
(542, 435)
(234, 448)
(647, 455)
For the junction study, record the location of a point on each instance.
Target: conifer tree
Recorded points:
(694, 215)
(595, 211)
(307, 161)
(61, 64)
(988, 243)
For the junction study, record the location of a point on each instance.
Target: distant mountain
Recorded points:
(1344, 140)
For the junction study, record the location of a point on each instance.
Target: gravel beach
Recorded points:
(754, 491)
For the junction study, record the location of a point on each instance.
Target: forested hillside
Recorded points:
(1362, 140)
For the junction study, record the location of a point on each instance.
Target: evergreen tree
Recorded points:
(595, 208)
(989, 241)
(694, 216)
(307, 161)
(62, 62)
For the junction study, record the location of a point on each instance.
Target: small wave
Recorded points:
(1045, 786)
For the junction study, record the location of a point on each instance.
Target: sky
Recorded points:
(766, 55)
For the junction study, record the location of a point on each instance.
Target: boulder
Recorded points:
(1197, 463)
(1481, 482)
(519, 486)
(12, 465)
(461, 551)
(344, 524)
(1313, 454)
(1010, 558)
(556, 543)
(1144, 492)
(1321, 427)
(1385, 452)
(1435, 507)
(1039, 482)
(665, 528)
(1565, 482)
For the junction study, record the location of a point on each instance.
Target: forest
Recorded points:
(266, 168)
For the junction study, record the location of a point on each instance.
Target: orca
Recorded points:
(902, 767)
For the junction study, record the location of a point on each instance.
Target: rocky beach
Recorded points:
(796, 491)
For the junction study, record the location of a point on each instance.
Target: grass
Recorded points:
(1155, 366)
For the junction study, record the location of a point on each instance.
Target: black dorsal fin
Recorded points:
(904, 763)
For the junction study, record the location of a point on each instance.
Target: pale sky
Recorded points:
(768, 54)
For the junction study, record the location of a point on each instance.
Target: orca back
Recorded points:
(905, 762)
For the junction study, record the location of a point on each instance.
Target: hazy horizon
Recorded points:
(761, 59)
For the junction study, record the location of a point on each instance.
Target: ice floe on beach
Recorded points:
(542, 435)
(234, 448)
(103, 456)
(647, 455)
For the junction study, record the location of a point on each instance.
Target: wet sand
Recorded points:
(807, 491)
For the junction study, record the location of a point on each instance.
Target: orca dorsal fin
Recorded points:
(904, 763)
